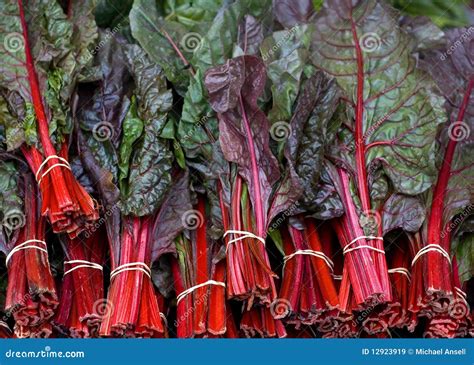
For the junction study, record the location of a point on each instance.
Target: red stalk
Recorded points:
(65, 202)
(31, 295)
(436, 280)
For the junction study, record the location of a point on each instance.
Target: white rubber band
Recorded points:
(347, 249)
(431, 248)
(132, 266)
(193, 288)
(25, 245)
(244, 235)
(83, 264)
(163, 317)
(337, 277)
(317, 254)
(400, 270)
(460, 292)
(43, 164)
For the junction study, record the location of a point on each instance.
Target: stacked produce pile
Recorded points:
(235, 169)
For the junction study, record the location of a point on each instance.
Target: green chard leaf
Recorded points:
(393, 105)
(285, 54)
(311, 133)
(453, 72)
(218, 44)
(11, 202)
(55, 56)
(151, 161)
(191, 13)
(162, 40)
(463, 248)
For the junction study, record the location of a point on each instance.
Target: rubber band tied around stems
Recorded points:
(64, 163)
(431, 248)
(317, 254)
(82, 264)
(400, 270)
(348, 247)
(244, 235)
(26, 245)
(461, 293)
(193, 288)
(132, 266)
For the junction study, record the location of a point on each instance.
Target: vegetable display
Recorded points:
(242, 168)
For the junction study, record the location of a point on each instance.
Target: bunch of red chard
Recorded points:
(199, 276)
(31, 297)
(81, 304)
(35, 93)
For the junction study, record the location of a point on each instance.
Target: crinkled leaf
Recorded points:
(197, 119)
(399, 111)
(169, 220)
(150, 164)
(291, 12)
(155, 35)
(191, 13)
(150, 173)
(310, 132)
(132, 129)
(426, 35)
(326, 201)
(250, 35)
(101, 115)
(54, 53)
(218, 44)
(285, 54)
(404, 212)
(452, 67)
(11, 203)
(85, 32)
(233, 92)
(463, 248)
